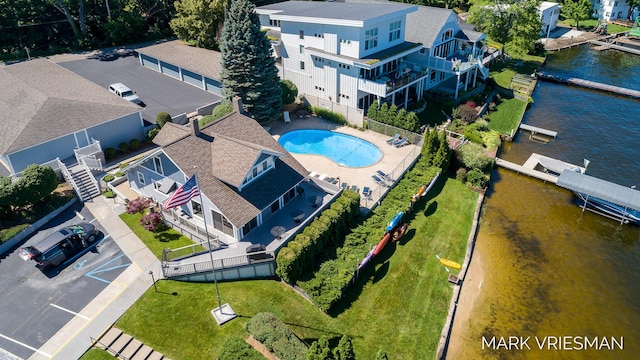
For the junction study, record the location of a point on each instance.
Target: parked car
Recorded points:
(61, 245)
(124, 92)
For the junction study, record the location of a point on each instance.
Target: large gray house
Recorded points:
(50, 112)
(244, 174)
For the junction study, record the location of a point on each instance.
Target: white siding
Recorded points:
(331, 43)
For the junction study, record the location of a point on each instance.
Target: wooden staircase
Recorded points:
(125, 347)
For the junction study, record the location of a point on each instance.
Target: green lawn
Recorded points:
(97, 354)
(590, 25)
(507, 115)
(398, 305)
(155, 242)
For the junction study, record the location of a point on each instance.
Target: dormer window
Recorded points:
(264, 163)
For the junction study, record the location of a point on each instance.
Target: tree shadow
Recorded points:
(167, 237)
(408, 236)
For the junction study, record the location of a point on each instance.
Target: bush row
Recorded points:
(238, 349)
(276, 337)
(392, 116)
(330, 228)
(132, 145)
(331, 280)
(329, 115)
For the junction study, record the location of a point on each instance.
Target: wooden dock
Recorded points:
(534, 161)
(590, 85)
(611, 45)
(536, 130)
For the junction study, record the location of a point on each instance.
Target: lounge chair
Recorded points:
(313, 174)
(378, 180)
(384, 176)
(287, 119)
(344, 186)
(393, 139)
(401, 142)
(355, 188)
(331, 180)
(323, 176)
(366, 191)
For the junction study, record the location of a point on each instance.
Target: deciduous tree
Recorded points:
(199, 22)
(577, 10)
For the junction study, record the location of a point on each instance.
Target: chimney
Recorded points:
(195, 127)
(237, 105)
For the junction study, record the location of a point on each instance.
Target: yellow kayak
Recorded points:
(450, 263)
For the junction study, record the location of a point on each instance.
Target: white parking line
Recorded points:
(25, 345)
(70, 312)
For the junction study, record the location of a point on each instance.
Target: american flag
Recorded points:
(184, 193)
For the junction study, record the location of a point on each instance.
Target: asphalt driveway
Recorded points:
(159, 92)
(36, 305)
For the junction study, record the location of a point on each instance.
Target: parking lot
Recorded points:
(36, 304)
(158, 92)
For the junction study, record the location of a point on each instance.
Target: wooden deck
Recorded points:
(610, 45)
(529, 167)
(590, 85)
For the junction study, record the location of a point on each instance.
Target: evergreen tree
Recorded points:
(372, 112)
(383, 113)
(381, 355)
(320, 350)
(248, 67)
(344, 351)
(401, 119)
(391, 115)
(412, 122)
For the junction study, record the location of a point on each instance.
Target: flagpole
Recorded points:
(213, 265)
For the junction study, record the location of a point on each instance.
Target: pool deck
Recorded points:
(392, 157)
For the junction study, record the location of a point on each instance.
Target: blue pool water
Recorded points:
(345, 150)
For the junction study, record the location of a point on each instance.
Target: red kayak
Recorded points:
(381, 244)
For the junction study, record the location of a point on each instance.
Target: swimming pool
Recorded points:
(345, 150)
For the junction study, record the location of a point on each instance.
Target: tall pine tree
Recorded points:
(248, 68)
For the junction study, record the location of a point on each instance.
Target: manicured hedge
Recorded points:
(333, 276)
(276, 337)
(328, 229)
(329, 115)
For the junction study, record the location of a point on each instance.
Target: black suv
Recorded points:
(61, 245)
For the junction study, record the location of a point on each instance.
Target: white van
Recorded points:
(124, 92)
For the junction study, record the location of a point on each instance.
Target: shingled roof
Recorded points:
(176, 52)
(41, 101)
(224, 152)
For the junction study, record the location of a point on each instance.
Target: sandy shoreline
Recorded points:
(470, 291)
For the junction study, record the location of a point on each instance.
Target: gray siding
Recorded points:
(192, 78)
(149, 62)
(114, 132)
(61, 148)
(170, 70)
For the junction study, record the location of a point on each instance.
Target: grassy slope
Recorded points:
(506, 116)
(181, 326)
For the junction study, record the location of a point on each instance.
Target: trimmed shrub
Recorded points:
(151, 221)
(152, 133)
(120, 174)
(109, 194)
(123, 165)
(473, 156)
(238, 349)
(461, 175)
(134, 144)
(477, 179)
(110, 153)
(467, 113)
(329, 115)
(344, 350)
(123, 146)
(276, 337)
(289, 91)
(162, 118)
(108, 178)
(223, 109)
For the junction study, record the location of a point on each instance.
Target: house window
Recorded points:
(432, 76)
(301, 34)
(158, 164)
(301, 49)
(301, 65)
(275, 206)
(447, 35)
(275, 23)
(197, 208)
(394, 31)
(371, 38)
(289, 195)
(141, 179)
(250, 226)
(221, 223)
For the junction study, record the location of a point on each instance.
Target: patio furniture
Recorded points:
(393, 139)
(287, 119)
(378, 180)
(366, 191)
(278, 231)
(344, 186)
(401, 142)
(315, 201)
(384, 176)
(331, 180)
(355, 188)
(297, 215)
(323, 176)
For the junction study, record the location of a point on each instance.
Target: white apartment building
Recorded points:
(610, 9)
(355, 52)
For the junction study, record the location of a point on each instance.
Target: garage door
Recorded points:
(213, 86)
(169, 69)
(192, 78)
(149, 62)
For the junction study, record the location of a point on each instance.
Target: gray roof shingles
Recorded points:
(224, 153)
(41, 101)
(195, 59)
(335, 10)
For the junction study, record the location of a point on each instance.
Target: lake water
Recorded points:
(551, 270)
